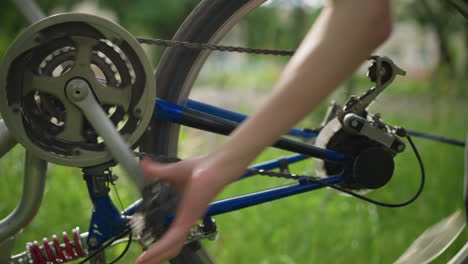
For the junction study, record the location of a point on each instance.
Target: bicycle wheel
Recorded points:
(208, 23)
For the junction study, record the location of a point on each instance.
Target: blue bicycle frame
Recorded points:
(108, 222)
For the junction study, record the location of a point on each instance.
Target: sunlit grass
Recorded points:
(317, 227)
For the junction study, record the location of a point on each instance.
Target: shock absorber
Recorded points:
(56, 252)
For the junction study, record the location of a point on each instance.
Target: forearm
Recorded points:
(343, 37)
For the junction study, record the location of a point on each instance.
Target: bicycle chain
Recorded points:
(276, 174)
(207, 46)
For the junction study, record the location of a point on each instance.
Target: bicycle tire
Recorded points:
(207, 23)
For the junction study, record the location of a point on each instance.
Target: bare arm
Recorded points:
(341, 40)
(343, 37)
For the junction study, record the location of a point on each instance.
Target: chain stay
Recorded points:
(276, 174)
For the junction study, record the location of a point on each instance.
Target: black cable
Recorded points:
(436, 138)
(105, 246)
(124, 251)
(118, 197)
(421, 186)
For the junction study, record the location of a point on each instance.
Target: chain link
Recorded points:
(292, 176)
(207, 46)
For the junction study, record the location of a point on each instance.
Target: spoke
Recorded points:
(42, 83)
(73, 124)
(112, 95)
(82, 63)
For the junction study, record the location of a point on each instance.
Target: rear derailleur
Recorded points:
(352, 130)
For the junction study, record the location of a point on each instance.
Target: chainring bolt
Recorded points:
(137, 112)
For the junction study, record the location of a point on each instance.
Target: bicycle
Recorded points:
(173, 106)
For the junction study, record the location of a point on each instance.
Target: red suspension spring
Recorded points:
(54, 252)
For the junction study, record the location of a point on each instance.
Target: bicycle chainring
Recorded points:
(38, 66)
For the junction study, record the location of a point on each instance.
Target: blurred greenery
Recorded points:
(317, 227)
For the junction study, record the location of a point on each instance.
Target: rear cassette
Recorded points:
(37, 67)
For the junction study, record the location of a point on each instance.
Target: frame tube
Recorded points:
(106, 220)
(239, 118)
(7, 141)
(273, 164)
(195, 119)
(33, 190)
(240, 202)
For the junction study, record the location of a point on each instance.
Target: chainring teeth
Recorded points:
(53, 51)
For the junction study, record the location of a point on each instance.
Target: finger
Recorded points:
(160, 171)
(188, 213)
(166, 248)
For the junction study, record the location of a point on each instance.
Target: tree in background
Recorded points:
(441, 18)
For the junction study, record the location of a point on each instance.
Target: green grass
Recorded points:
(316, 227)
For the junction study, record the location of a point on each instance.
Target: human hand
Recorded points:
(198, 181)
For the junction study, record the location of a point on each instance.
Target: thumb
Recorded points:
(161, 171)
(166, 248)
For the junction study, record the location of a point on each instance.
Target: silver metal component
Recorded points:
(146, 239)
(7, 141)
(31, 11)
(384, 66)
(33, 190)
(106, 129)
(383, 72)
(197, 234)
(77, 89)
(374, 130)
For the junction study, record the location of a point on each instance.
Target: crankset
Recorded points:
(53, 57)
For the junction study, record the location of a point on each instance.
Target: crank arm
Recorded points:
(80, 94)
